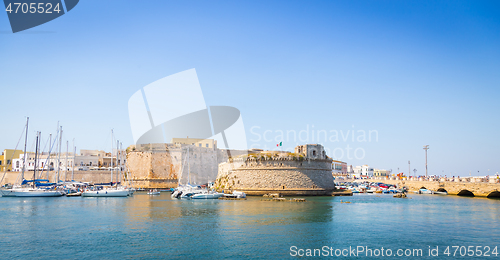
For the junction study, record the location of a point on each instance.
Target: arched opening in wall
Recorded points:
(423, 188)
(442, 190)
(283, 187)
(494, 195)
(465, 193)
(314, 152)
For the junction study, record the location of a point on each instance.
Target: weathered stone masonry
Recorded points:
(286, 173)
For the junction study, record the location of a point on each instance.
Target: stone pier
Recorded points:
(472, 189)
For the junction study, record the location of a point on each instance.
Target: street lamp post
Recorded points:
(409, 171)
(426, 147)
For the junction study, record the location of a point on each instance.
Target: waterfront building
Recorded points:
(363, 171)
(7, 157)
(339, 168)
(381, 173)
(82, 162)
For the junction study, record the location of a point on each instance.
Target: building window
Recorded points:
(90, 163)
(8, 162)
(17, 164)
(199, 145)
(206, 145)
(314, 153)
(0, 162)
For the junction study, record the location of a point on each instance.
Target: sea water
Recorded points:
(159, 227)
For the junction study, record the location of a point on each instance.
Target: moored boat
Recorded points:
(214, 195)
(106, 193)
(30, 192)
(153, 192)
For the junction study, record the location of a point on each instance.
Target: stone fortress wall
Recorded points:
(165, 165)
(306, 172)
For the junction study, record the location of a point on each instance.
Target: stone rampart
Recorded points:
(289, 176)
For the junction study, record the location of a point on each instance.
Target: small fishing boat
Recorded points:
(153, 192)
(74, 194)
(424, 191)
(236, 194)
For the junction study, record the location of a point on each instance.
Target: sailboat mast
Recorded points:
(111, 158)
(118, 179)
(66, 163)
(40, 153)
(48, 156)
(74, 160)
(25, 142)
(59, 155)
(36, 159)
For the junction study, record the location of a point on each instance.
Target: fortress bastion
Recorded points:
(307, 171)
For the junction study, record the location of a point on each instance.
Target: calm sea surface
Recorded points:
(158, 227)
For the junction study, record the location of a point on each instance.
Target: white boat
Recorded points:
(153, 192)
(236, 194)
(441, 192)
(74, 194)
(187, 191)
(424, 191)
(209, 195)
(239, 194)
(30, 192)
(106, 193)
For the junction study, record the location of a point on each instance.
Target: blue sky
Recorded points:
(416, 72)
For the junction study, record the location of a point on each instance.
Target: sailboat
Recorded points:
(108, 192)
(32, 191)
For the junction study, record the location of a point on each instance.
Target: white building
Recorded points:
(65, 163)
(363, 170)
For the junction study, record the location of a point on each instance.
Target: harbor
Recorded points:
(158, 227)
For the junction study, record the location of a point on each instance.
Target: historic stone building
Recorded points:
(166, 165)
(308, 171)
